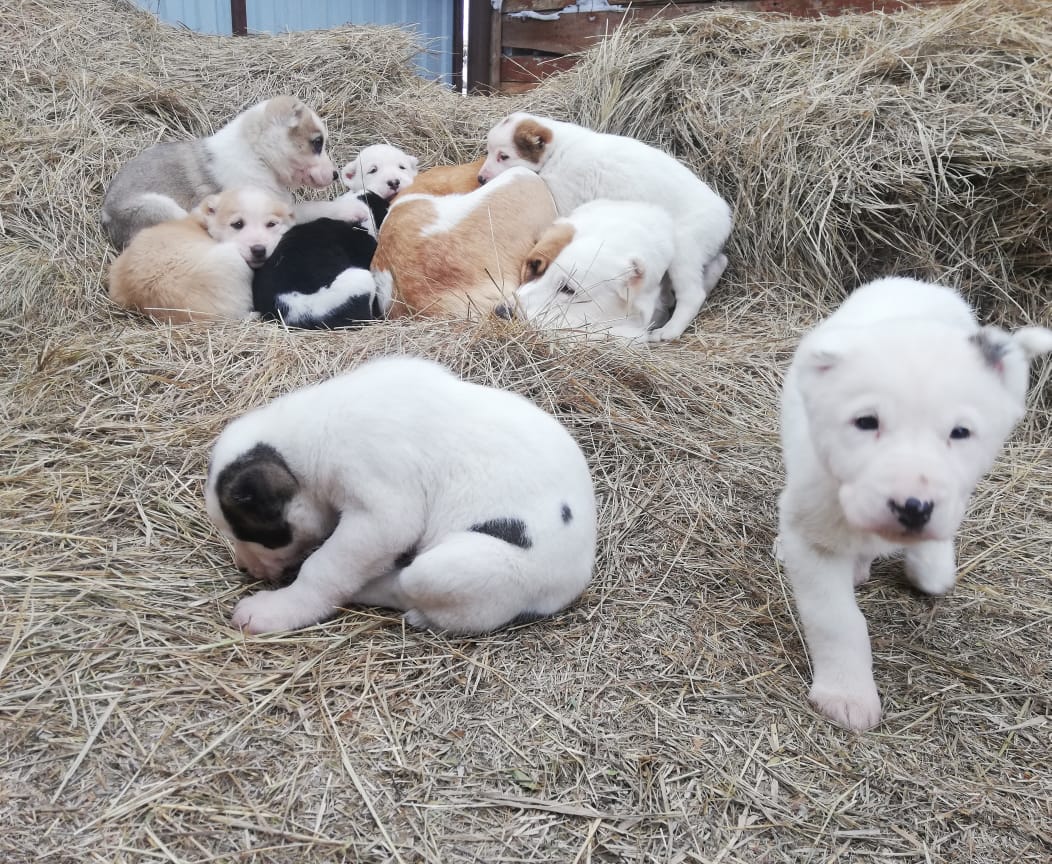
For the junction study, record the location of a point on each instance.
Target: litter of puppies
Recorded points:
(663, 713)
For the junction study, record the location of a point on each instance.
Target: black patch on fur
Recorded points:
(377, 205)
(308, 258)
(511, 531)
(253, 492)
(406, 558)
(567, 514)
(992, 349)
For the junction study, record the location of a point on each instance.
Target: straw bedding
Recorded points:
(662, 718)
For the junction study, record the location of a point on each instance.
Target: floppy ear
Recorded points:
(535, 265)
(204, 212)
(530, 139)
(350, 170)
(1009, 354)
(821, 353)
(555, 238)
(633, 279)
(253, 492)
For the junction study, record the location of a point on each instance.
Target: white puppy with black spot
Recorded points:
(581, 165)
(381, 169)
(400, 485)
(893, 409)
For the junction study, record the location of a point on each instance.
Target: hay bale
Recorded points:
(663, 717)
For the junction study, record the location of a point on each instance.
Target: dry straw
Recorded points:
(662, 718)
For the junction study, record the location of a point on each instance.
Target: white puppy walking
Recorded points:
(581, 165)
(893, 409)
(400, 485)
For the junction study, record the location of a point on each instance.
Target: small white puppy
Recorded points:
(601, 269)
(381, 169)
(400, 485)
(580, 165)
(893, 409)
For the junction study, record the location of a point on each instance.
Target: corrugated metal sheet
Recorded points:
(431, 19)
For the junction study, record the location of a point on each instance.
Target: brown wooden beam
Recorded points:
(238, 18)
(480, 45)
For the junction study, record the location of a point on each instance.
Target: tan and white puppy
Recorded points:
(581, 165)
(364, 483)
(457, 255)
(447, 179)
(277, 145)
(381, 169)
(893, 408)
(199, 268)
(602, 270)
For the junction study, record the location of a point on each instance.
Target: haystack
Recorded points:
(662, 718)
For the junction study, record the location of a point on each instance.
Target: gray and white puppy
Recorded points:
(277, 145)
(400, 485)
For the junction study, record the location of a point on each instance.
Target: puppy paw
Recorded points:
(932, 567)
(350, 209)
(272, 612)
(416, 618)
(857, 710)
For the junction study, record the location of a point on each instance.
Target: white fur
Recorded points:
(608, 278)
(381, 169)
(298, 307)
(581, 165)
(401, 455)
(909, 356)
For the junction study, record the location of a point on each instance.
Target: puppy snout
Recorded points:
(913, 514)
(504, 311)
(482, 180)
(394, 184)
(335, 175)
(259, 252)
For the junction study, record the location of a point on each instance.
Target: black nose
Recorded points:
(259, 252)
(503, 311)
(335, 175)
(394, 184)
(482, 180)
(913, 514)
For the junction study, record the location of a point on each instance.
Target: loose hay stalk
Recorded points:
(662, 718)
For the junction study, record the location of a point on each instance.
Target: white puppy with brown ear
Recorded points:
(602, 269)
(893, 409)
(381, 169)
(400, 485)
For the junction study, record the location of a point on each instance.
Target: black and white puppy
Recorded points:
(318, 275)
(400, 485)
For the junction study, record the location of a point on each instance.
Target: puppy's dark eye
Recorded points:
(959, 433)
(317, 143)
(373, 170)
(567, 288)
(502, 157)
(867, 423)
(272, 224)
(401, 167)
(238, 224)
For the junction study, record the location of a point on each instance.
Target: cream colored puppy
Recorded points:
(199, 268)
(893, 409)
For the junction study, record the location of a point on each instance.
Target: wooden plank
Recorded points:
(525, 67)
(573, 33)
(480, 49)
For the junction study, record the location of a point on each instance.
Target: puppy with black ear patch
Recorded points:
(400, 485)
(318, 276)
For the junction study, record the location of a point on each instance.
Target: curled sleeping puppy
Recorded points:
(199, 268)
(459, 255)
(446, 180)
(318, 276)
(400, 485)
